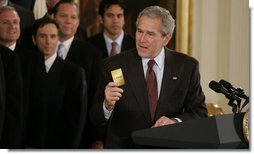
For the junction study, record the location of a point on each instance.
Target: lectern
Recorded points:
(217, 132)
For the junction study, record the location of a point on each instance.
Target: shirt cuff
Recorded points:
(177, 119)
(107, 113)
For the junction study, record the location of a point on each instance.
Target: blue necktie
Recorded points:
(60, 50)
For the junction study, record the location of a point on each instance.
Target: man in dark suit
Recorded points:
(166, 92)
(59, 121)
(112, 14)
(66, 14)
(9, 35)
(14, 114)
(80, 33)
(13, 117)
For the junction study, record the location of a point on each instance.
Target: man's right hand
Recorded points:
(112, 94)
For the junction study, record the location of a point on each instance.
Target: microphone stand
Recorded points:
(233, 105)
(237, 108)
(239, 105)
(245, 103)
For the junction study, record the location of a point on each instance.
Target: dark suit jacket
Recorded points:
(99, 42)
(88, 57)
(2, 95)
(28, 60)
(29, 64)
(13, 117)
(59, 121)
(180, 97)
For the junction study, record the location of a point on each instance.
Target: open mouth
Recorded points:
(142, 46)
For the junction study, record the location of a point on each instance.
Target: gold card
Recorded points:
(117, 76)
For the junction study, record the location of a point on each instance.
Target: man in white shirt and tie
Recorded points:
(112, 16)
(66, 14)
(162, 86)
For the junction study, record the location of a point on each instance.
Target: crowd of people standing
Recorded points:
(56, 88)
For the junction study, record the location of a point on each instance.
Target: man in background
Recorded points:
(113, 39)
(58, 112)
(74, 50)
(9, 35)
(26, 15)
(26, 23)
(13, 125)
(80, 33)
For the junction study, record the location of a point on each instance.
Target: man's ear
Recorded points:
(33, 40)
(167, 39)
(100, 19)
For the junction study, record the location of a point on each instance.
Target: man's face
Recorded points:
(113, 20)
(68, 19)
(149, 39)
(46, 39)
(9, 27)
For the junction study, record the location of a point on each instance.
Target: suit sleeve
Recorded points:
(97, 118)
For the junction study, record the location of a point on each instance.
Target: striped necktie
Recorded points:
(113, 49)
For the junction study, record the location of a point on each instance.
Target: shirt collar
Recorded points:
(49, 62)
(67, 43)
(158, 59)
(119, 40)
(12, 47)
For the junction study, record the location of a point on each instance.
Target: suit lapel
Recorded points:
(102, 45)
(169, 81)
(55, 66)
(74, 47)
(135, 77)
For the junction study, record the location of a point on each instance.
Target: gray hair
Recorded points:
(8, 8)
(168, 23)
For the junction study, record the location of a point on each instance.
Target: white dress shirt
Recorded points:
(118, 41)
(66, 45)
(49, 62)
(12, 47)
(158, 71)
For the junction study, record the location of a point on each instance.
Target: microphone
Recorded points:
(239, 92)
(219, 88)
